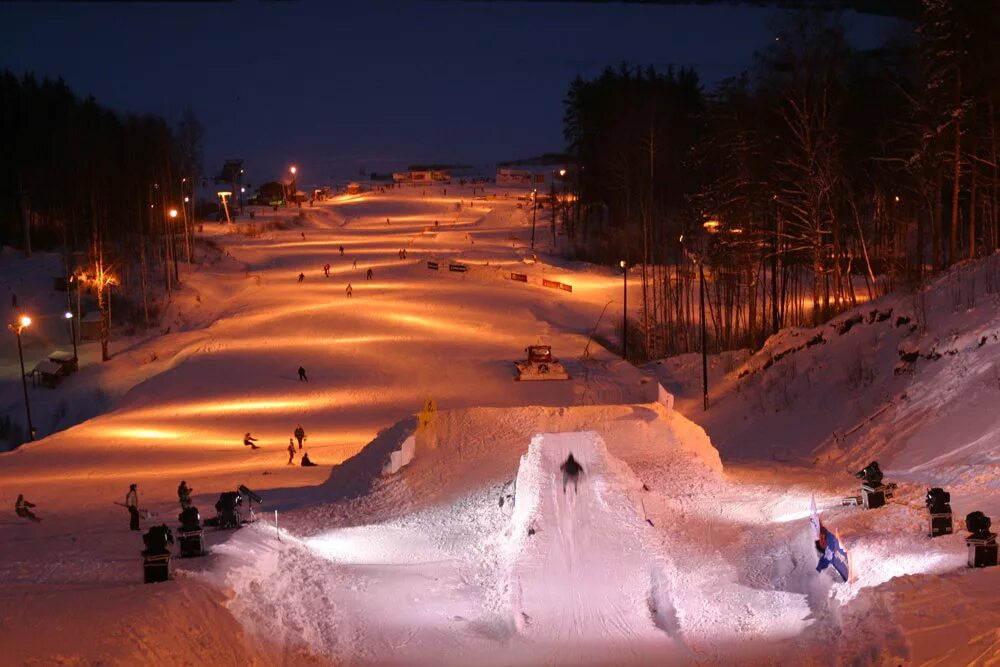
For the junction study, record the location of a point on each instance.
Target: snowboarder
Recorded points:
(23, 509)
(350, 290)
(300, 435)
(326, 270)
(132, 504)
(184, 495)
(248, 441)
(291, 451)
(302, 277)
(306, 463)
(341, 250)
(368, 275)
(571, 470)
(302, 375)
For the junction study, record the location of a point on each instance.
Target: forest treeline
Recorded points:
(821, 177)
(99, 186)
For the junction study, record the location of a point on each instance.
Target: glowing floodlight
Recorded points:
(68, 315)
(172, 213)
(24, 321)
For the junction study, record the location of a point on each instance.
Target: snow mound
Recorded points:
(581, 562)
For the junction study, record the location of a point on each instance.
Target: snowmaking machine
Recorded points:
(540, 365)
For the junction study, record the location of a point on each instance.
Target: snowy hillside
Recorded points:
(470, 553)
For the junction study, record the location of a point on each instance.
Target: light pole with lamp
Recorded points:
(17, 327)
(173, 213)
(624, 265)
(72, 331)
(295, 183)
(534, 210)
(710, 226)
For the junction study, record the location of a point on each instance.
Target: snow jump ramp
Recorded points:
(584, 575)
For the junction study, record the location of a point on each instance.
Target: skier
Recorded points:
(300, 435)
(23, 509)
(248, 441)
(291, 451)
(306, 463)
(350, 290)
(368, 275)
(184, 495)
(302, 277)
(132, 504)
(571, 470)
(302, 375)
(326, 270)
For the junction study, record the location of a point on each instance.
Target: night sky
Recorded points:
(336, 86)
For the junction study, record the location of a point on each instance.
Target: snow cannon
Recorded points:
(251, 499)
(156, 555)
(874, 493)
(938, 503)
(191, 533)
(540, 365)
(981, 542)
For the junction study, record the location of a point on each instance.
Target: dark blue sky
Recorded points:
(336, 86)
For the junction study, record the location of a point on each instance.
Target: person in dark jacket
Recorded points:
(368, 275)
(302, 375)
(291, 451)
(300, 435)
(248, 441)
(132, 505)
(184, 495)
(302, 277)
(23, 509)
(306, 463)
(571, 470)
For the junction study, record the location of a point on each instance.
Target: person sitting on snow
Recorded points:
(571, 470)
(306, 463)
(23, 509)
(248, 441)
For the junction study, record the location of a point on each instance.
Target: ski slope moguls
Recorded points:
(476, 551)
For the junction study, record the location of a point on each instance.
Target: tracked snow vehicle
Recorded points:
(540, 365)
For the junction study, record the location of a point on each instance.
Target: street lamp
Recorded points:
(72, 330)
(624, 266)
(17, 327)
(172, 213)
(295, 186)
(534, 210)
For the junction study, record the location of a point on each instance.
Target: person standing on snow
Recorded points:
(326, 270)
(355, 265)
(571, 470)
(368, 275)
(184, 495)
(23, 509)
(300, 435)
(342, 250)
(291, 451)
(302, 277)
(302, 375)
(350, 290)
(132, 504)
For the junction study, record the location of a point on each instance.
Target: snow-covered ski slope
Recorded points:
(564, 587)
(427, 567)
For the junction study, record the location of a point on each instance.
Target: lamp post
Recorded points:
(534, 210)
(17, 327)
(295, 186)
(624, 266)
(72, 330)
(710, 226)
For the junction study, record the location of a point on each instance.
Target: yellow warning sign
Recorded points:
(428, 413)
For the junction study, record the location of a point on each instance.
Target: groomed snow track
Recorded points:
(581, 562)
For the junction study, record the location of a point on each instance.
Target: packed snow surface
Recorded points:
(437, 532)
